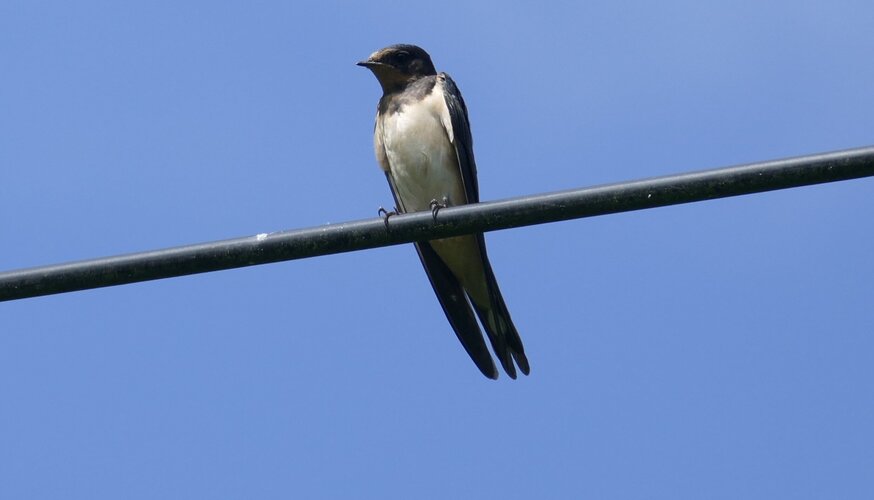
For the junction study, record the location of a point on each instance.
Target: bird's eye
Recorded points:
(402, 56)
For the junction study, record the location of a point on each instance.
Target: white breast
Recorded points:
(421, 158)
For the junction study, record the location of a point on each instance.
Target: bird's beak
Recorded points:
(367, 63)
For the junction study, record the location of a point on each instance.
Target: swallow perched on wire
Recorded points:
(423, 144)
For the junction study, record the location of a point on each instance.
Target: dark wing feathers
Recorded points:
(462, 139)
(457, 309)
(495, 319)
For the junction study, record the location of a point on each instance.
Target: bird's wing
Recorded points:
(458, 129)
(495, 316)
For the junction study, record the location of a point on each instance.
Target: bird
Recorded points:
(423, 144)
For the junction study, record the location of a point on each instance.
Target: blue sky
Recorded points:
(713, 350)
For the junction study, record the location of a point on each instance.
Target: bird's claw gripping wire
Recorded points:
(436, 206)
(386, 214)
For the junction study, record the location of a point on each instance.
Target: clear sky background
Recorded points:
(714, 350)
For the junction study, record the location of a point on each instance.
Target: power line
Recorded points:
(481, 217)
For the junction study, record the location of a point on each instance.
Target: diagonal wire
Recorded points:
(481, 217)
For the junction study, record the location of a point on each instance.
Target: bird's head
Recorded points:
(398, 65)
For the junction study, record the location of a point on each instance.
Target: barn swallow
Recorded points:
(423, 145)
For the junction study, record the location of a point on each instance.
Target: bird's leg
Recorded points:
(436, 206)
(386, 214)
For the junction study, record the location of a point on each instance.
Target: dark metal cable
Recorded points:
(488, 216)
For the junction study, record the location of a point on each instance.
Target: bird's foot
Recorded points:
(386, 214)
(436, 206)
